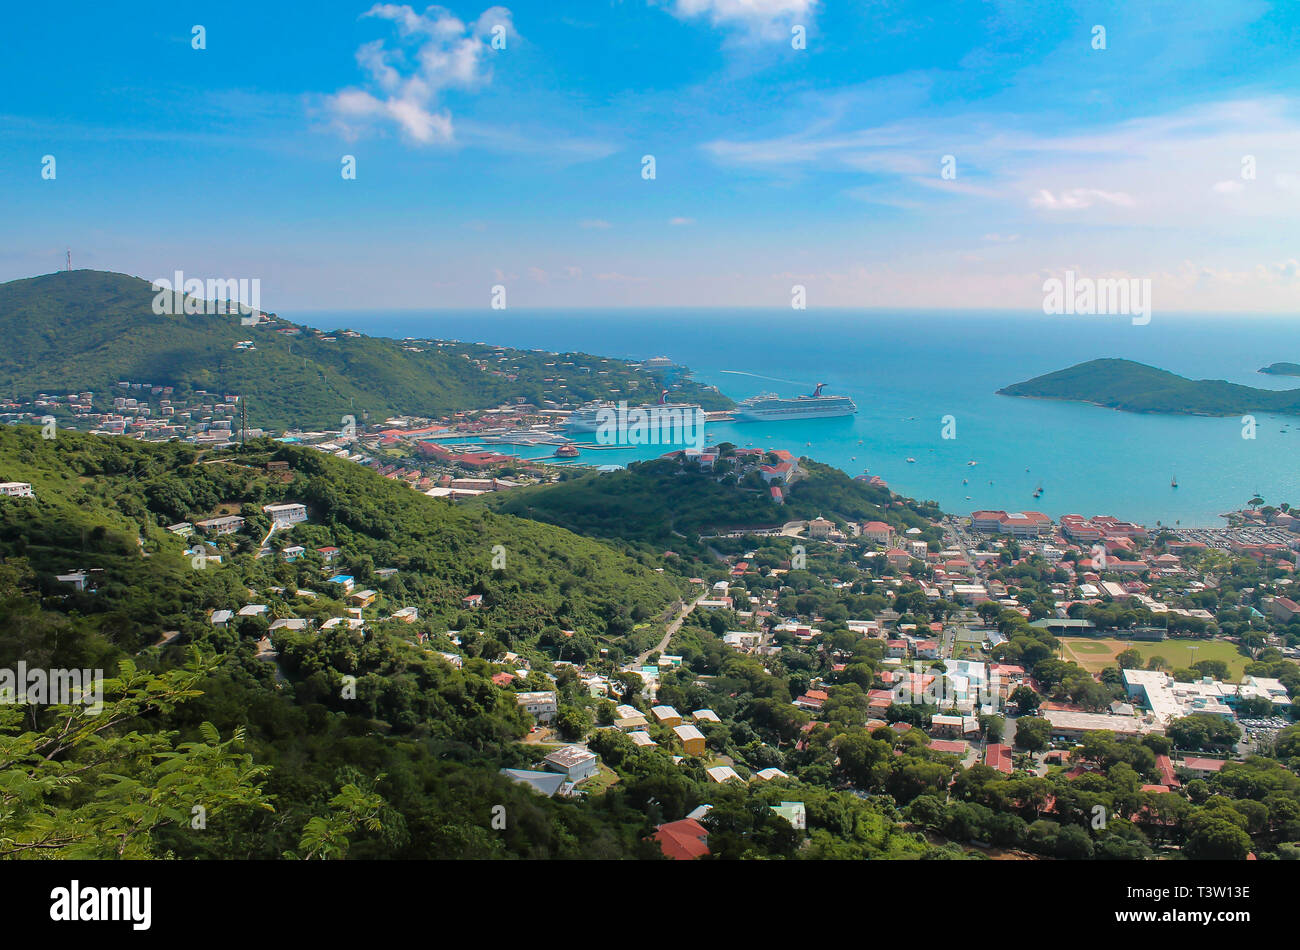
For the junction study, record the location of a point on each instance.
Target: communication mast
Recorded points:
(69, 258)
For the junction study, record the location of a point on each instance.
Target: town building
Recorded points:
(574, 762)
(541, 705)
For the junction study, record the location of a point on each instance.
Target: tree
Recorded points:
(1073, 843)
(1026, 700)
(93, 786)
(862, 757)
(1215, 839)
(1129, 659)
(326, 837)
(1032, 733)
(1202, 731)
(993, 727)
(1288, 743)
(572, 722)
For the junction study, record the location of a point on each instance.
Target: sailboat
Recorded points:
(1173, 482)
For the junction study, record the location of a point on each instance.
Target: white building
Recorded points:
(574, 762)
(541, 705)
(1169, 700)
(722, 773)
(17, 490)
(286, 514)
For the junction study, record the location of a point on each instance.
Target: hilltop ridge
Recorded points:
(1137, 387)
(72, 331)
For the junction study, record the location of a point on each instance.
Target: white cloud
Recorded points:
(1076, 199)
(681, 222)
(434, 51)
(1142, 172)
(1228, 187)
(766, 17)
(596, 224)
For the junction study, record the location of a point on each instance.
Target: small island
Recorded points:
(1282, 369)
(1136, 387)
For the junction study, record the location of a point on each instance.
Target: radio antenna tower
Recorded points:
(69, 258)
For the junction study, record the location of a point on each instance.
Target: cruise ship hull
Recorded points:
(793, 413)
(588, 420)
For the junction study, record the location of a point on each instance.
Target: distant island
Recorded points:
(1282, 369)
(1136, 387)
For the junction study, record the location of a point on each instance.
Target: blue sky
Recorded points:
(775, 166)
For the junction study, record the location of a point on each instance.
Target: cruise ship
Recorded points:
(587, 418)
(771, 407)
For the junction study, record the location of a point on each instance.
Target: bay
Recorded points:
(907, 370)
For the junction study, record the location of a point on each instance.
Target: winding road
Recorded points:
(672, 628)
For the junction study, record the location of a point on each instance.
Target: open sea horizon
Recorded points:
(907, 370)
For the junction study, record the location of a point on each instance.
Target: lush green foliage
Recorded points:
(88, 330)
(1136, 387)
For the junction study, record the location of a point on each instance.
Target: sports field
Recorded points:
(1095, 654)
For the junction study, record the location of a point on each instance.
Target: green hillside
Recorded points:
(426, 737)
(88, 330)
(342, 743)
(671, 502)
(102, 505)
(1136, 387)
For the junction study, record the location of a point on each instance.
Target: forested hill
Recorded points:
(1282, 369)
(671, 502)
(74, 331)
(331, 742)
(294, 756)
(102, 505)
(1136, 387)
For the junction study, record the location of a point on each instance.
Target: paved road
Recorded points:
(672, 628)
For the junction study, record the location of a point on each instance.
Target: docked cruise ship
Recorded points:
(587, 418)
(770, 407)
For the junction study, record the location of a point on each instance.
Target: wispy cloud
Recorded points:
(766, 18)
(432, 52)
(1140, 171)
(1076, 199)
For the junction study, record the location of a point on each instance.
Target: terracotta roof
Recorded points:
(683, 840)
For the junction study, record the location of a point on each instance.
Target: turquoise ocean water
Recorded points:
(907, 370)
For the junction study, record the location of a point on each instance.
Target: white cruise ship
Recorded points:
(770, 407)
(587, 418)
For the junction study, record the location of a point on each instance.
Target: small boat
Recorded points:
(972, 462)
(910, 459)
(965, 481)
